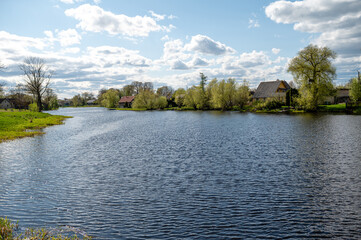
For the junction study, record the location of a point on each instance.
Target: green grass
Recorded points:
(333, 108)
(13, 124)
(130, 109)
(9, 231)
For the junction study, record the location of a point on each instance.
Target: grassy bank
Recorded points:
(10, 231)
(15, 124)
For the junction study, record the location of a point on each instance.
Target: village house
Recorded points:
(271, 89)
(126, 101)
(6, 103)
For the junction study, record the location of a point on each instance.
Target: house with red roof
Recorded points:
(126, 101)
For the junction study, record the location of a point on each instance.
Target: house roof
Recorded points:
(269, 89)
(126, 99)
(10, 100)
(343, 92)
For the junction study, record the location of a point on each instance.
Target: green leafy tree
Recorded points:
(355, 89)
(77, 101)
(313, 72)
(128, 90)
(224, 94)
(191, 97)
(145, 99)
(111, 98)
(179, 96)
(243, 95)
(161, 102)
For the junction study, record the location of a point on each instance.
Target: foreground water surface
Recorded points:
(195, 175)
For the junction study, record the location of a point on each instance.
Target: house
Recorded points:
(126, 101)
(271, 89)
(65, 102)
(6, 103)
(91, 102)
(342, 95)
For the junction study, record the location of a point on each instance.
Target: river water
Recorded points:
(188, 175)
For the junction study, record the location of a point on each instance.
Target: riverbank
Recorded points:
(16, 124)
(335, 108)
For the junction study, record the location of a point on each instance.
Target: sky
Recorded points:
(95, 44)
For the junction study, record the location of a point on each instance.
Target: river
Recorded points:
(188, 175)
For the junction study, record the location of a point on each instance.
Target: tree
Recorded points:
(243, 95)
(355, 90)
(179, 96)
(77, 101)
(111, 98)
(165, 91)
(145, 99)
(128, 90)
(37, 77)
(313, 72)
(138, 86)
(21, 98)
(50, 100)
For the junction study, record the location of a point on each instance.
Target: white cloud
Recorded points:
(276, 51)
(253, 23)
(178, 65)
(95, 19)
(157, 17)
(206, 45)
(165, 38)
(337, 20)
(70, 1)
(198, 62)
(68, 37)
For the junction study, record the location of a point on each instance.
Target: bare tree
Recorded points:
(37, 77)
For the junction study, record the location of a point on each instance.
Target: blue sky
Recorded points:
(98, 44)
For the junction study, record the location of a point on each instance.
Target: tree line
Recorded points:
(312, 70)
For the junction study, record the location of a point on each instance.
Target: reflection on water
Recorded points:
(120, 174)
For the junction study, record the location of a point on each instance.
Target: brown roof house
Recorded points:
(126, 101)
(271, 89)
(6, 103)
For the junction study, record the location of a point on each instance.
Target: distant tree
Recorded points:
(148, 86)
(191, 97)
(2, 92)
(128, 90)
(313, 72)
(161, 102)
(165, 91)
(77, 101)
(100, 95)
(50, 100)
(179, 96)
(111, 98)
(243, 95)
(355, 90)
(138, 86)
(86, 96)
(145, 99)
(21, 98)
(202, 98)
(224, 94)
(37, 78)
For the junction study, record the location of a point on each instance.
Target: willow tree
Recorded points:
(37, 78)
(313, 72)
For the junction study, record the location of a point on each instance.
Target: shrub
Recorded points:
(33, 107)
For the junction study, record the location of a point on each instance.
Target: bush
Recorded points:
(33, 107)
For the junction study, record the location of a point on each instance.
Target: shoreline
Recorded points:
(20, 124)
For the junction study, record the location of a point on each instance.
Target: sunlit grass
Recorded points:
(13, 124)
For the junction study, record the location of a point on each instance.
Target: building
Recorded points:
(126, 101)
(6, 103)
(271, 89)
